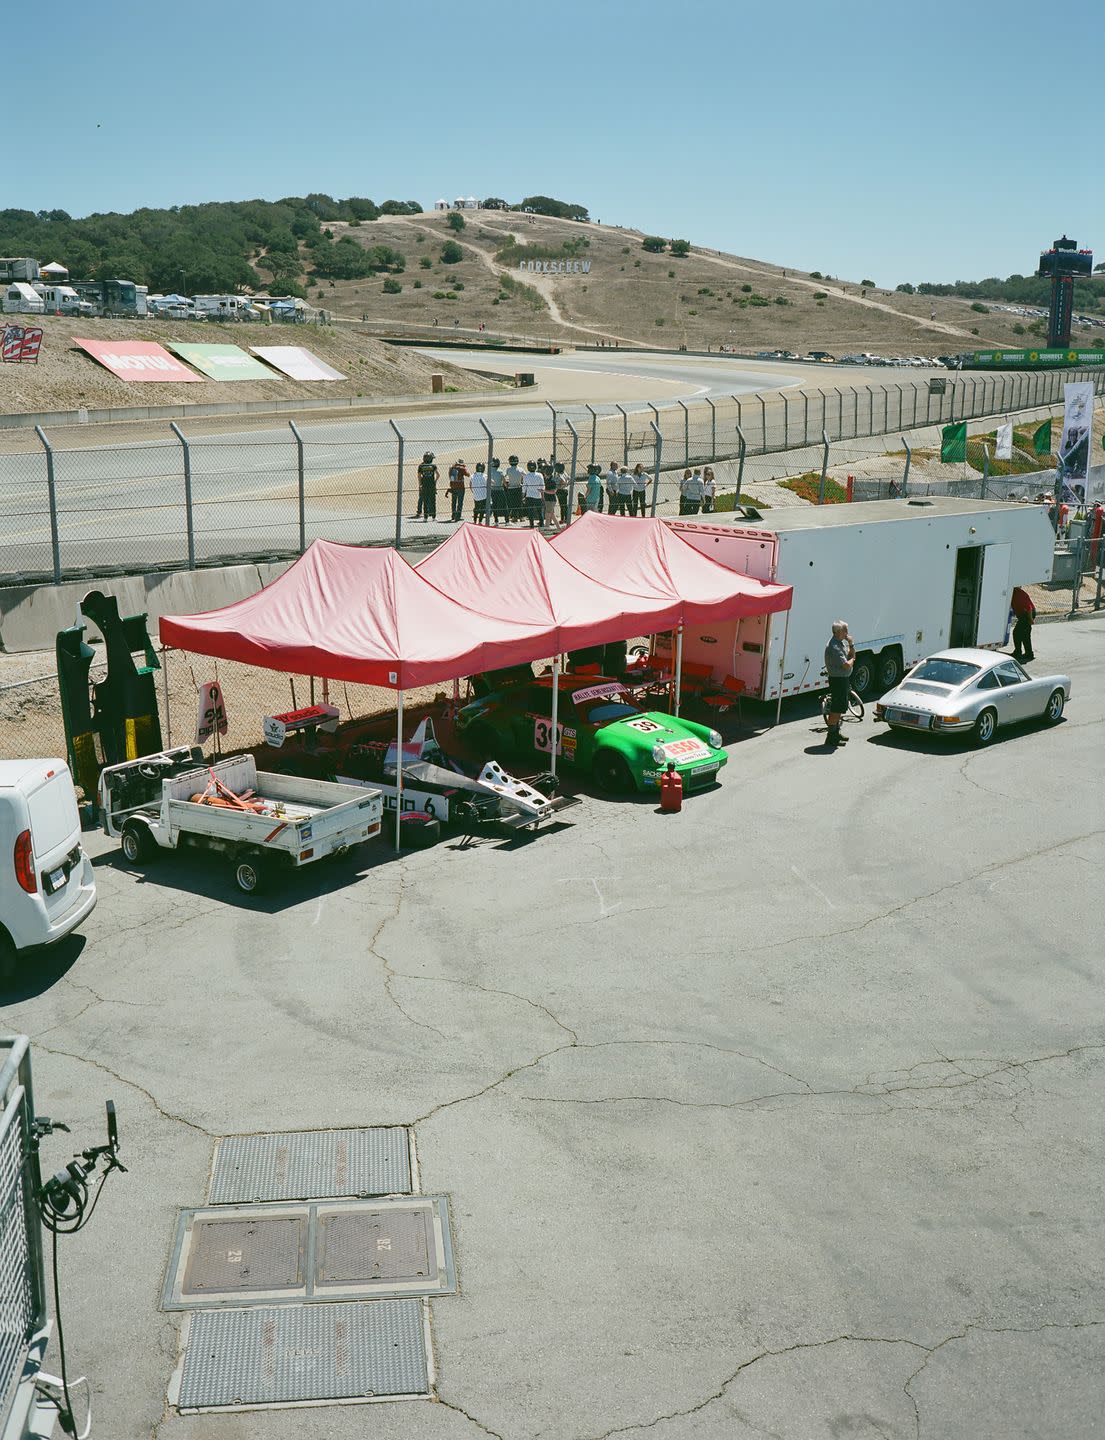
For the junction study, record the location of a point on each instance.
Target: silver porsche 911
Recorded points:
(972, 692)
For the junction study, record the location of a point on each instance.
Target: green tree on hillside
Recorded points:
(455, 221)
(451, 253)
(680, 247)
(546, 205)
(654, 244)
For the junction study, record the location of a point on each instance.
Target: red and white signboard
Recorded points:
(296, 361)
(137, 360)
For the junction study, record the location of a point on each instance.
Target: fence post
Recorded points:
(686, 433)
(855, 411)
(552, 407)
(786, 422)
(742, 451)
(713, 428)
(763, 423)
(951, 403)
(885, 410)
(625, 433)
(824, 466)
(658, 436)
(301, 468)
(1079, 557)
(905, 472)
(398, 486)
(572, 479)
(52, 494)
(985, 472)
(805, 418)
(490, 450)
(740, 417)
(594, 427)
(189, 523)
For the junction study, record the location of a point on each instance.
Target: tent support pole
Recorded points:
(678, 667)
(782, 669)
(399, 772)
(555, 708)
(165, 691)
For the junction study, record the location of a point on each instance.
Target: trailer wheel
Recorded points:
(863, 673)
(251, 875)
(888, 669)
(139, 846)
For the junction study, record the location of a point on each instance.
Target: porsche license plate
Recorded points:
(907, 717)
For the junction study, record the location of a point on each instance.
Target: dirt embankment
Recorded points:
(67, 378)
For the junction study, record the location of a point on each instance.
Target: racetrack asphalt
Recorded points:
(780, 1116)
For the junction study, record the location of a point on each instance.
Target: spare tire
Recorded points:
(418, 831)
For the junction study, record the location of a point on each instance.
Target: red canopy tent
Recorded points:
(518, 573)
(651, 559)
(346, 613)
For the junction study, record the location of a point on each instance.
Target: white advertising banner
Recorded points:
(296, 361)
(1004, 449)
(1074, 448)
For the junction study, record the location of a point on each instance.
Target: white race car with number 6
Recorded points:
(972, 692)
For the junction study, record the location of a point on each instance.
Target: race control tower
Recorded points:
(1062, 263)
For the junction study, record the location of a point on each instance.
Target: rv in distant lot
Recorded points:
(113, 297)
(63, 300)
(22, 298)
(19, 268)
(224, 307)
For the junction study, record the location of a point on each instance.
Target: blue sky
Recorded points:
(863, 139)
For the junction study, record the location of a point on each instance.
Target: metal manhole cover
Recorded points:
(311, 1164)
(232, 1255)
(278, 1355)
(374, 1246)
(259, 1254)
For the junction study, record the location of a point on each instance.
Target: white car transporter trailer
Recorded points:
(909, 576)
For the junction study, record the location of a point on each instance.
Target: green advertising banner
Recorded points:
(1031, 359)
(953, 443)
(224, 362)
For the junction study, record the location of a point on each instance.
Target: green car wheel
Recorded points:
(611, 773)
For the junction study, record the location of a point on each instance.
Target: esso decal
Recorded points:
(688, 749)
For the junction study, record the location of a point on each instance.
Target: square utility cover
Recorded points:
(311, 1164)
(323, 1250)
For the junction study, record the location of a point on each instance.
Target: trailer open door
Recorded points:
(993, 595)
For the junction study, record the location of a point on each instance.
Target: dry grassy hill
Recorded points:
(703, 299)
(66, 378)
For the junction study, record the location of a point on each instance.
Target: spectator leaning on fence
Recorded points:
(497, 508)
(479, 494)
(533, 491)
(512, 487)
(611, 486)
(458, 474)
(639, 499)
(690, 494)
(709, 491)
(548, 496)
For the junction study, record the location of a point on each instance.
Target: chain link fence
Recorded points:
(181, 502)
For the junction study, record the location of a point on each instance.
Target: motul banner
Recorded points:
(296, 361)
(136, 360)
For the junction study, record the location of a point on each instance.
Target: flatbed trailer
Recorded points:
(264, 823)
(909, 576)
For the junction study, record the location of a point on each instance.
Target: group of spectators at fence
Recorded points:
(541, 493)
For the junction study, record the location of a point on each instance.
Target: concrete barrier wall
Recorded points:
(31, 615)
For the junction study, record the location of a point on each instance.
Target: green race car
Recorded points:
(599, 731)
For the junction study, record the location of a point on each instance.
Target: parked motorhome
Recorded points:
(21, 298)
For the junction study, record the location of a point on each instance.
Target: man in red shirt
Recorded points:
(1024, 612)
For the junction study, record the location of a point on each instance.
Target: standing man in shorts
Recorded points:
(840, 657)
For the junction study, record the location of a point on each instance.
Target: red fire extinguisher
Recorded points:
(671, 790)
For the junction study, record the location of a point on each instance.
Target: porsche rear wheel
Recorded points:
(1054, 711)
(985, 727)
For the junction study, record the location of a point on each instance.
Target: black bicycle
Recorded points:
(855, 711)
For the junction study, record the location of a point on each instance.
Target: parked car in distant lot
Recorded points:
(972, 692)
(823, 356)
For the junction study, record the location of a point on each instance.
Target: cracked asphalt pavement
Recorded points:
(778, 1117)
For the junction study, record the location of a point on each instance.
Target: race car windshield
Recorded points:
(603, 714)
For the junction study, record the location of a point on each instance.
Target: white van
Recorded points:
(47, 886)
